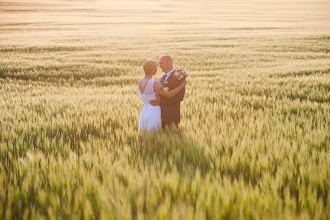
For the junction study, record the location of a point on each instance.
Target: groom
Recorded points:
(170, 107)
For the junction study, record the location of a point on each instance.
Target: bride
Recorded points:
(150, 118)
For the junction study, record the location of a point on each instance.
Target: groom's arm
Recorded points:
(155, 102)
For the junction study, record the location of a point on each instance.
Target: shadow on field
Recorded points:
(168, 150)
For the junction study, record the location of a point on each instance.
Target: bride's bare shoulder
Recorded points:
(141, 82)
(157, 85)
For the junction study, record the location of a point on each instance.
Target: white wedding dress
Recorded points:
(150, 118)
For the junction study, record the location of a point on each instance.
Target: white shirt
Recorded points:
(168, 74)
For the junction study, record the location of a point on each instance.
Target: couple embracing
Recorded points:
(161, 98)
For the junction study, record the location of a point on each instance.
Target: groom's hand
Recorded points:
(155, 102)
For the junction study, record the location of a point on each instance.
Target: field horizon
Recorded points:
(253, 141)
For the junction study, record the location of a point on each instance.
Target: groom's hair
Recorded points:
(149, 67)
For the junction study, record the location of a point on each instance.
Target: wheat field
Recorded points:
(253, 142)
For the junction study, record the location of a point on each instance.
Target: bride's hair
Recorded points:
(149, 67)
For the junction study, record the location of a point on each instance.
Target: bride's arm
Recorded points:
(160, 89)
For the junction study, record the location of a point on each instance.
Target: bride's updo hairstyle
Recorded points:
(149, 67)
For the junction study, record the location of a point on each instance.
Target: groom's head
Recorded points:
(165, 63)
(150, 67)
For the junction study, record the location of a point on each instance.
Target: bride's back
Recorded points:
(146, 90)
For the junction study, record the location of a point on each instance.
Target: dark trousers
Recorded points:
(167, 125)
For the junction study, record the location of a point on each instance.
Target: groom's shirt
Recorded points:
(168, 74)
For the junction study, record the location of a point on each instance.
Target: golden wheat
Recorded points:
(254, 133)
